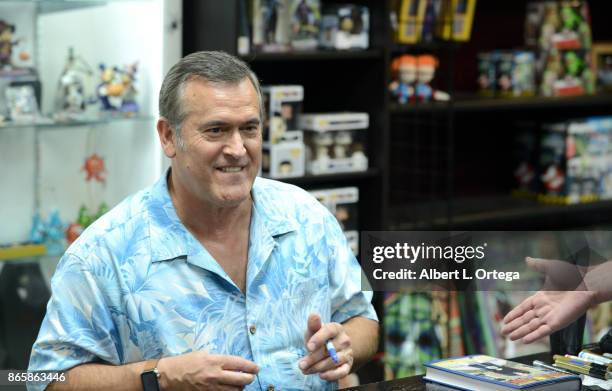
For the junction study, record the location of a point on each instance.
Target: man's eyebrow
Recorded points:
(220, 124)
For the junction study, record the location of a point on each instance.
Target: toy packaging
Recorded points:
(576, 161)
(507, 73)
(345, 27)
(271, 27)
(525, 156)
(335, 142)
(283, 105)
(285, 158)
(305, 24)
(562, 33)
(456, 19)
(343, 203)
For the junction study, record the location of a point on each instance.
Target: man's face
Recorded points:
(222, 142)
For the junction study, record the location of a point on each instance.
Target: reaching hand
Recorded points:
(200, 370)
(318, 360)
(544, 313)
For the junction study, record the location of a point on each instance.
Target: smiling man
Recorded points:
(212, 278)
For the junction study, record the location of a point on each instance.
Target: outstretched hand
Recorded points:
(564, 299)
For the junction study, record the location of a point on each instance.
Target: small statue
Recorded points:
(71, 97)
(6, 43)
(404, 71)
(426, 69)
(95, 168)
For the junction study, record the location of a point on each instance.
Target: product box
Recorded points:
(305, 24)
(525, 160)
(507, 73)
(345, 27)
(343, 203)
(285, 159)
(486, 74)
(283, 106)
(561, 31)
(574, 161)
(335, 142)
(271, 25)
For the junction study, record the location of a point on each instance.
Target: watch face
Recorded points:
(149, 381)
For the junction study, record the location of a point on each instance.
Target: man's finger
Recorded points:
(313, 325)
(526, 329)
(236, 363)
(330, 331)
(540, 332)
(313, 358)
(520, 309)
(518, 322)
(234, 378)
(336, 373)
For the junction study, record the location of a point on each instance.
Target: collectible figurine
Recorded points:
(6, 43)
(128, 103)
(55, 235)
(342, 143)
(71, 96)
(94, 166)
(110, 88)
(305, 24)
(426, 69)
(322, 142)
(404, 70)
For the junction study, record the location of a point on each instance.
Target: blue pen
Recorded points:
(332, 352)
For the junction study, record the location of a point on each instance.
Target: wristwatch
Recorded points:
(150, 376)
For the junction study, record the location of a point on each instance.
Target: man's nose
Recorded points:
(235, 144)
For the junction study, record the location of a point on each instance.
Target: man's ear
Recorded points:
(167, 138)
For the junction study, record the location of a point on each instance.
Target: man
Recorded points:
(213, 278)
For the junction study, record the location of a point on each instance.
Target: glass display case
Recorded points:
(71, 145)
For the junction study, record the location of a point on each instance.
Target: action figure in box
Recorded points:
(426, 69)
(404, 70)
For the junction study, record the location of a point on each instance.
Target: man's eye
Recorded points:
(251, 129)
(214, 130)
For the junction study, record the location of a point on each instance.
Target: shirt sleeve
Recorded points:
(347, 297)
(78, 327)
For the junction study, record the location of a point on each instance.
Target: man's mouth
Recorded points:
(230, 169)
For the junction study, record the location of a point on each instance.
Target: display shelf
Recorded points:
(48, 6)
(315, 55)
(332, 179)
(475, 103)
(48, 124)
(498, 212)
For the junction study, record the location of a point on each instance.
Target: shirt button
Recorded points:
(252, 330)
(270, 388)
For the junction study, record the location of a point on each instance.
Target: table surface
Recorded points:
(416, 383)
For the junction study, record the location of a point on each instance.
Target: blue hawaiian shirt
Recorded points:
(137, 285)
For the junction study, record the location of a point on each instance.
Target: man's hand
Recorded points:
(562, 300)
(200, 370)
(544, 313)
(318, 360)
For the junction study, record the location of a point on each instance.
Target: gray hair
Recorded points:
(213, 66)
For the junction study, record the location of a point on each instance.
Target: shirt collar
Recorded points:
(170, 239)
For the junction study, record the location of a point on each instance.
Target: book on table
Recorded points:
(485, 373)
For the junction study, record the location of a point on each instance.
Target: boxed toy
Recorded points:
(343, 203)
(285, 159)
(335, 142)
(271, 27)
(305, 24)
(525, 158)
(562, 33)
(574, 161)
(283, 106)
(507, 73)
(345, 27)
